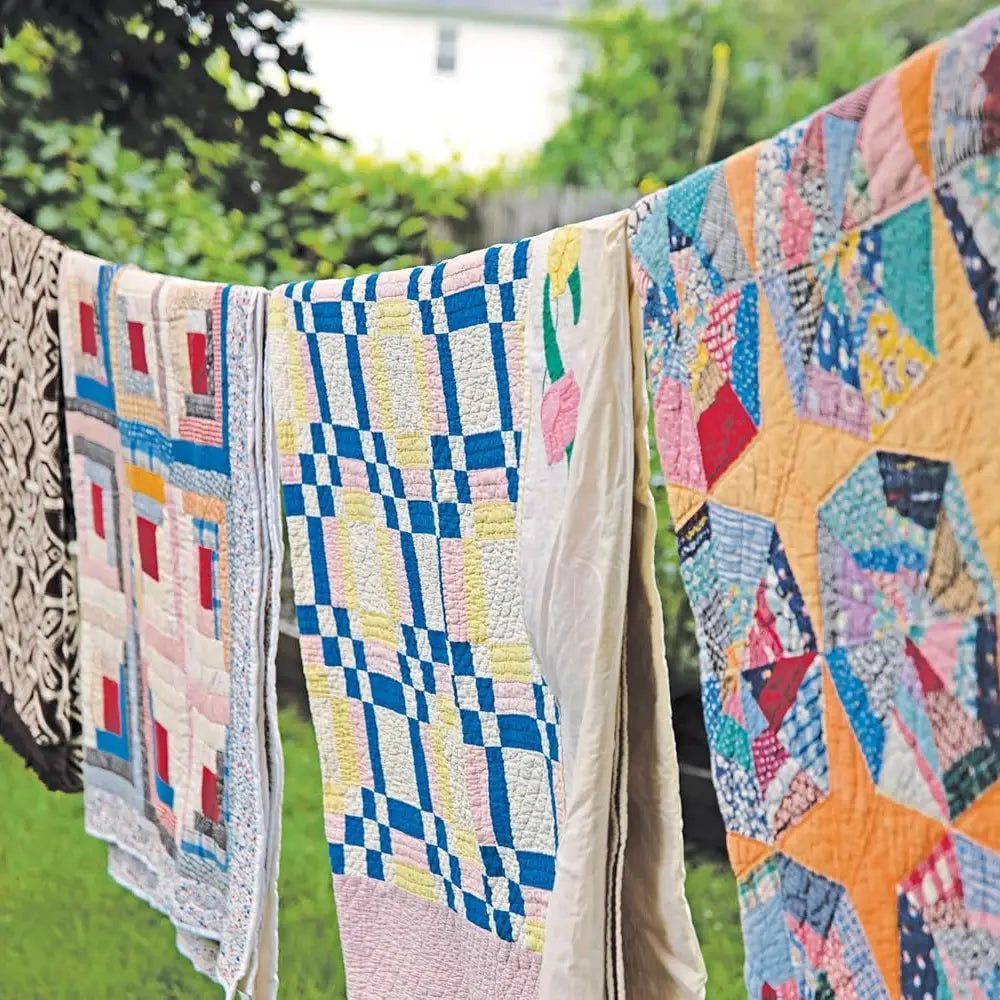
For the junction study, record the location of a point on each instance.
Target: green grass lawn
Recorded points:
(68, 931)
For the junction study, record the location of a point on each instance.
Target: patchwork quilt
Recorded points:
(399, 401)
(172, 454)
(39, 679)
(822, 323)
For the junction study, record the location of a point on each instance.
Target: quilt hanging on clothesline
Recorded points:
(39, 674)
(403, 409)
(171, 452)
(822, 322)
(399, 408)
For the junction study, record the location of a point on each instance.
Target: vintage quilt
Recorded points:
(399, 401)
(39, 679)
(587, 528)
(419, 529)
(822, 323)
(172, 460)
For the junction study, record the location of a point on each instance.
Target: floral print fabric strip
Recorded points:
(561, 399)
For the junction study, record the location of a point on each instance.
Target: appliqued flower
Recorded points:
(560, 406)
(564, 255)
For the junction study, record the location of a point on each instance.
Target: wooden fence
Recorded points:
(509, 216)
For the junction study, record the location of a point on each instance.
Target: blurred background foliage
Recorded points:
(324, 210)
(156, 71)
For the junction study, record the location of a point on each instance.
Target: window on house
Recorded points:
(447, 37)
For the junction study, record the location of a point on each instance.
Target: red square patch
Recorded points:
(198, 362)
(205, 577)
(147, 548)
(97, 506)
(162, 755)
(112, 707)
(209, 795)
(137, 347)
(88, 331)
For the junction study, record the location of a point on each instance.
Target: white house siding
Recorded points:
(377, 72)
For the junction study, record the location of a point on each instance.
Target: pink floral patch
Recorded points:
(677, 436)
(560, 406)
(796, 228)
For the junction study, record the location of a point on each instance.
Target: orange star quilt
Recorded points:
(822, 324)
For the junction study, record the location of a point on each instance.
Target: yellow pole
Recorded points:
(716, 97)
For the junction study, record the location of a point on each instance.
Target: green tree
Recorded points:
(638, 105)
(160, 73)
(338, 212)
